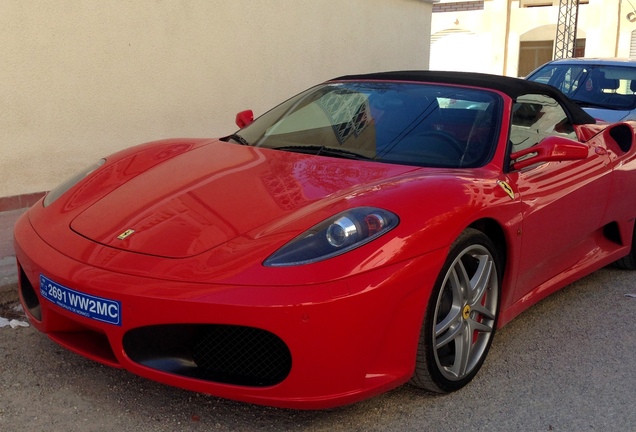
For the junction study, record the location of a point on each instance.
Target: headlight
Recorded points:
(59, 190)
(334, 236)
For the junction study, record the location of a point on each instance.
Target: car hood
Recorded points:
(203, 198)
(609, 115)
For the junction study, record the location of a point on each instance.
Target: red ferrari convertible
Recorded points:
(371, 231)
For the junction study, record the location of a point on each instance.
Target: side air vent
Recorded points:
(30, 298)
(623, 135)
(612, 233)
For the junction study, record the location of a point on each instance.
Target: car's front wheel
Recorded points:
(461, 317)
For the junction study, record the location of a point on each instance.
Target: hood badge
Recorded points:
(125, 234)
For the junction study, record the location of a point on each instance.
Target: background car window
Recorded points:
(565, 78)
(603, 86)
(535, 117)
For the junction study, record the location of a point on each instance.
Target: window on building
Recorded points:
(544, 3)
(533, 54)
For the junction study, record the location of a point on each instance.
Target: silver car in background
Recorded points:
(605, 88)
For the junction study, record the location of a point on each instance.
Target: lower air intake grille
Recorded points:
(243, 355)
(221, 353)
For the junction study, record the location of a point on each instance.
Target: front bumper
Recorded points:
(308, 347)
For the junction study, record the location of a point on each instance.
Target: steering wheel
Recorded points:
(446, 138)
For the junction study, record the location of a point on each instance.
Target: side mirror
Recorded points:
(551, 149)
(244, 118)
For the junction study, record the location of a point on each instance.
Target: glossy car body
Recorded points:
(193, 254)
(605, 88)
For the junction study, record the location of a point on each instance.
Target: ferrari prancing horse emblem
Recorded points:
(506, 187)
(125, 234)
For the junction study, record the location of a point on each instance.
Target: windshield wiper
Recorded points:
(236, 137)
(324, 151)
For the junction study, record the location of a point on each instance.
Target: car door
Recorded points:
(562, 202)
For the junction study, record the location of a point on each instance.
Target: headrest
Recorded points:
(608, 84)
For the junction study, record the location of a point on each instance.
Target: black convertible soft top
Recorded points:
(513, 87)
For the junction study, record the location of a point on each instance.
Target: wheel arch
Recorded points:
(442, 367)
(494, 231)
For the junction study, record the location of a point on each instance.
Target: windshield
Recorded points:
(413, 124)
(610, 87)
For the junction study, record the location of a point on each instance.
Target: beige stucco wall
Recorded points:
(482, 47)
(80, 79)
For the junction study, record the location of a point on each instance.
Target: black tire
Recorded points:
(461, 316)
(628, 262)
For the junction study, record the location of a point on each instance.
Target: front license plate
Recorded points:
(89, 306)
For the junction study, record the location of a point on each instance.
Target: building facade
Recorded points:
(513, 37)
